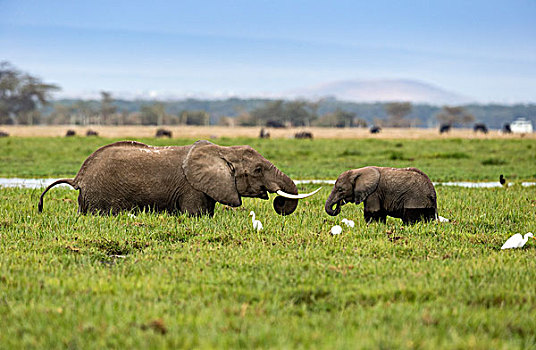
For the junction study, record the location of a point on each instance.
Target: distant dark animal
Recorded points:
(480, 127)
(130, 175)
(444, 128)
(92, 133)
(304, 135)
(375, 130)
(163, 133)
(275, 124)
(3, 134)
(401, 193)
(264, 134)
(70, 132)
(506, 129)
(502, 180)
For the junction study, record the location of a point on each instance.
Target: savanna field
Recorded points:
(162, 281)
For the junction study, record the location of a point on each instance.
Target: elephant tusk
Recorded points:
(297, 196)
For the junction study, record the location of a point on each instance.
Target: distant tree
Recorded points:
(106, 108)
(246, 119)
(360, 123)
(29, 117)
(272, 110)
(195, 118)
(298, 113)
(21, 95)
(454, 116)
(397, 111)
(226, 121)
(344, 118)
(378, 122)
(119, 118)
(326, 120)
(313, 109)
(60, 115)
(338, 119)
(83, 113)
(134, 118)
(153, 114)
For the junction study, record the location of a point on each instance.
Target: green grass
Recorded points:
(441, 159)
(173, 281)
(161, 281)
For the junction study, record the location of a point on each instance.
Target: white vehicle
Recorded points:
(521, 126)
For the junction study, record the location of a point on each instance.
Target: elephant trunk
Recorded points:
(282, 205)
(330, 202)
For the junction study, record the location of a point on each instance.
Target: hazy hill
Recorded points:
(364, 91)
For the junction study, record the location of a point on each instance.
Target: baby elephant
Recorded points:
(405, 193)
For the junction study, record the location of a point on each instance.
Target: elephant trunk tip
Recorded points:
(285, 206)
(333, 212)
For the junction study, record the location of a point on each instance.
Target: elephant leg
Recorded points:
(372, 209)
(97, 201)
(375, 216)
(196, 204)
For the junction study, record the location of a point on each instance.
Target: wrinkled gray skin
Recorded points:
(401, 193)
(190, 179)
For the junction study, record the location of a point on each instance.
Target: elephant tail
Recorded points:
(61, 181)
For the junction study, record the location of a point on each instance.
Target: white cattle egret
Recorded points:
(517, 241)
(349, 223)
(336, 230)
(442, 219)
(257, 225)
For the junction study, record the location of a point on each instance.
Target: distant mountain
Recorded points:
(383, 91)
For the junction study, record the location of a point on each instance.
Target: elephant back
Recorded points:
(101, 152)
(412, 184)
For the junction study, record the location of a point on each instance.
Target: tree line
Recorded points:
(26, 100)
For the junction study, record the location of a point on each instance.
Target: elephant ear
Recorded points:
(366, 181)
(208, 171)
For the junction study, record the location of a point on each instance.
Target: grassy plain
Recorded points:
(443, 159)
(160, 281)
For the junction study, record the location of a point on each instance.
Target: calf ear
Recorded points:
(366, 181)
(208, 171)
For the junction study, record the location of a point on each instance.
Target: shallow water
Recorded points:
(41, 183)
(27, 183)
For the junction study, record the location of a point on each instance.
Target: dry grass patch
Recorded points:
(211, 132)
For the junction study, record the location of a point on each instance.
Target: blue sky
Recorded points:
(485, 50)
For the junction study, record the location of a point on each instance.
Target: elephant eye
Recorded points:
(339, 189)
(258, 170)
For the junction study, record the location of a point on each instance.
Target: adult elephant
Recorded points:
(190, 179)
(405, 193)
